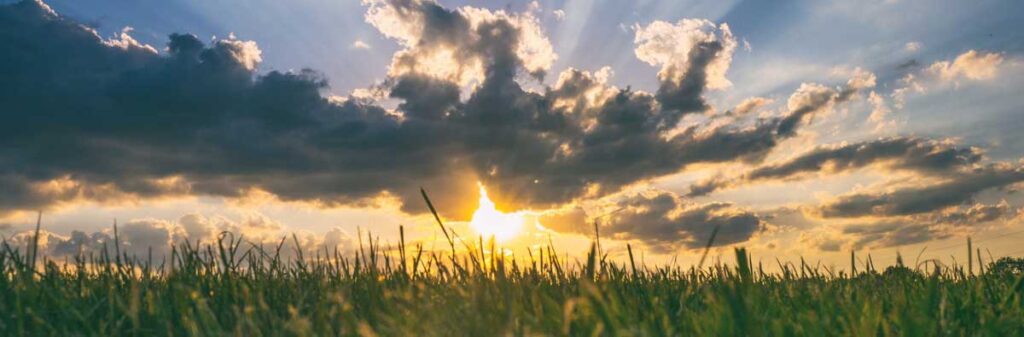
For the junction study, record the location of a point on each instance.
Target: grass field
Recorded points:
(227, 289)
(234, 288)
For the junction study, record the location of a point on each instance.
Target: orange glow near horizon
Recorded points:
(488, 222)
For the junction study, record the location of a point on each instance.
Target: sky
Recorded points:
(794, 128)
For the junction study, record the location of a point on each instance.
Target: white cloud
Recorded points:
(431, 51)
(861, 79)
(534, 6)
(559, 14)
(880, 112)
(125, 41)
(970, 65)
(750, 105)
(909, 84)
(669, 45)
(604, 74)
(809, 95)
(246, 52)
(339, 239)
(145, 236)
(912, 46)
(359, 44)
(199, 227)
(137, 237)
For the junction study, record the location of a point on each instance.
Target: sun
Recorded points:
(489, 222)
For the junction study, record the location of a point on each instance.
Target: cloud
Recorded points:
(880, 112)
(913, 46)
(125, 41)
(137, 237)
(859, 80)
(533, 6)
(572, 220)
(56, 246)
(811, 98)
(22, 192)
(245, 53)
(907, 153)
(694, 55)
(908, 215)
(901, 231)
(823, 239)
(607, 138)
(884, 230)
(78, 243)
(359, 44)
(666, 222)
(47, 242)
(977, 214)
(969, 65)
(338, 239)
(876, 235)
(198, 227)
(688, 45)
(891, 234)
(131, 119)
(750, 105)
(559, 14)
(148, 237)
(954, 190)
(197, 119)
(909, 85)
(463, 45)
(924, 227)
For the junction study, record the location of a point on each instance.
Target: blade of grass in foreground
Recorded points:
(707, 247)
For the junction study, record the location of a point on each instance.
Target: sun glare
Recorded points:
(489, 222)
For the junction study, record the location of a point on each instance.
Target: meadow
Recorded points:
(233, 288)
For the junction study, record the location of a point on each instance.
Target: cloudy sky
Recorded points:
(798, 128)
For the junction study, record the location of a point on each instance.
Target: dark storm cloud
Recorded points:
(113, 119)
(955, 190)
(920, 155)
(666, 222)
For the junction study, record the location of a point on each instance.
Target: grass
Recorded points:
(233, 288)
